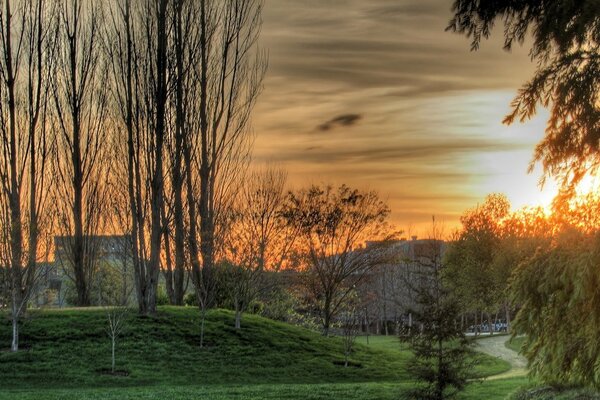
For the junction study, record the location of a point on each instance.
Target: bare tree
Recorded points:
(129, 46)
(117, 312)
(228, 75)
(184, 21)
(79, 91)
(156, 26)
(116, 316)
(138, 49)
(350, 321)
(26, 40)
(259, 240)
(187, 75)
(332, 224)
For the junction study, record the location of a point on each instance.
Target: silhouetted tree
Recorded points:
(332, 224)
(79, 92)
(566, 47)
(228, 74)
(130, 172)
(27, 42)
(258, 239)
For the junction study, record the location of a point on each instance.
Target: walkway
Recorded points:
(494, 346)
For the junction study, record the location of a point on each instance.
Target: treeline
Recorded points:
(541, 266)
(127, 116)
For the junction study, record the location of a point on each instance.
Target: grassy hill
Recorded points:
(69, 349)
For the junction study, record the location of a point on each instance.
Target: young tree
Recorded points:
(350, 321)
(331, 225)
(116, 309)
(116, 316)
(440, 347)
(27, 41)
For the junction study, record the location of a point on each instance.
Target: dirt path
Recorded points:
(494, 346)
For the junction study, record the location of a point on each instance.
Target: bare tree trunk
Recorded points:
(12, 186)
(206, 221)
(14, 347)
(326, 324)
(384, 301)
(157, 181)
(113, 339)
(238, 318)
(168, 270)
(79, 91)
(202, 321)
(180, 136)
(368, 328)
(129, 100)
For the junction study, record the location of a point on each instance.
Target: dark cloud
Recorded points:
(340, 121)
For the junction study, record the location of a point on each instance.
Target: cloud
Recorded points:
(339, 121)
(433, 106)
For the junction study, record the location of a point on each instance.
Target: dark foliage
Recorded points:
(566, 48)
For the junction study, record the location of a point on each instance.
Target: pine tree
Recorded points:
(441, 350)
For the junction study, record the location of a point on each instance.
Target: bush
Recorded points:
(162, 299)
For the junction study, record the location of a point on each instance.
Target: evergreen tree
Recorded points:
(441, 350)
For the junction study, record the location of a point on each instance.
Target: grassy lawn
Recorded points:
(485, 365)
(64, 354)
(515, 344)
(490, 390)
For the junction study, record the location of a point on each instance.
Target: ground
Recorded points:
(496, 346)
(66, 354)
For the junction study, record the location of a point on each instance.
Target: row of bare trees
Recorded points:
(186, 76)
(127, 116)
(28, 53)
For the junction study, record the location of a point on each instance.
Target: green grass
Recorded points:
(63, 352)
(489, 390)
(485, 365)
(515, 344)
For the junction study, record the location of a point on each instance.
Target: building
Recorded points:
(391, 287)
(103, 251)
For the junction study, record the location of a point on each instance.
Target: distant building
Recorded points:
(106, 250)
(392, 286)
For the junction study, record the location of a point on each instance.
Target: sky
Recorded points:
(375, 94)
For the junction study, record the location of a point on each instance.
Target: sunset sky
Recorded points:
(376, 95)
